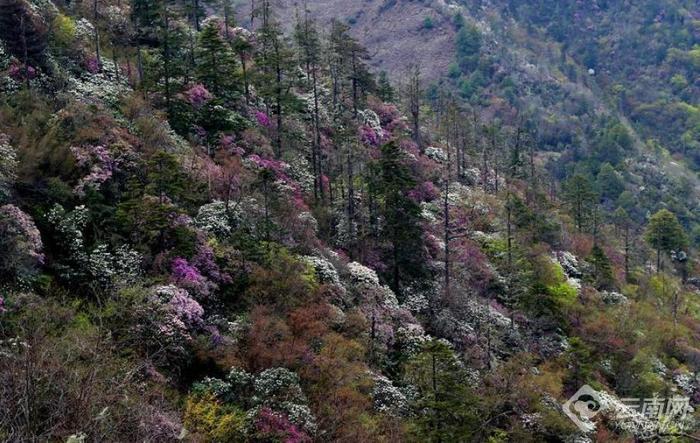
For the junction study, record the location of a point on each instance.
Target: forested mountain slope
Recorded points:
(604, 81)
(219, 223)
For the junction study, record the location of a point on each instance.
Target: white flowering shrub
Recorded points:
(436, 154)
(411, 338)
(569, 263)
(112, 269)
(362, 275)
(624, 418)
(100, 87)
(325, 271)
(69, 226)
(278, 385)
(370, 118)
(8, 167)
(417, 300)
(275, 389)
(611, 297)
(301, 172)
(214, 219)
(389, 399)
(84, 30)
(108, 268)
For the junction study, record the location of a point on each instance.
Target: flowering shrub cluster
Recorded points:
(273, 426)
(20, 244)
(69, 226)
(114, 269)
(188, 276)
(181, 313)
(197, 95)
(425, 192)
(100, 163)
(389, 399)
(20, 72)
(263, 119)
(274, 400)
(277, 167)
(325, 271)
(436, 154)
(378, 303)
(8, 166)
(389, 116)
(214, 219)
(109, 268)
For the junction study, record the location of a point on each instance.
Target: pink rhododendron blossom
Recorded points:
(197, 95)
(185, 272)
(273, 426)
(263, 119)
(100, 162)
(92, 65)
(17, 224)
(369, 136)
(275, 166)
(425, 192)
(20, 72)
(187, 309)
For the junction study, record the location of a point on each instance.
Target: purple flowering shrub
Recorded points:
(20, 243)
(92, 65)
(275, 427)
(165, 323)
(425, 192)
(98, 161)
(188, 276)
(263, 119)
(369, 136)
(197, 95)
(21, 72)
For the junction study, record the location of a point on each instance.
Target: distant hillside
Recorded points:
(578, 71)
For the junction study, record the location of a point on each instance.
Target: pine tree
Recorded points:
(216, 63)
(146, 18)
(580, 195)
(274, 60)
(384, 89)
(309, 42)
(24, 34)
(165, 69)
(402, 216)
(348, 62)
(602, 267)
(665, 234)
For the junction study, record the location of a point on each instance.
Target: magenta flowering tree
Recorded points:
(92, 65)
(263, 119)
(274, 426)
(369, 136)
(21, 72)
(188, 276)
(425, 192)
(197, 95)
(278, 168)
